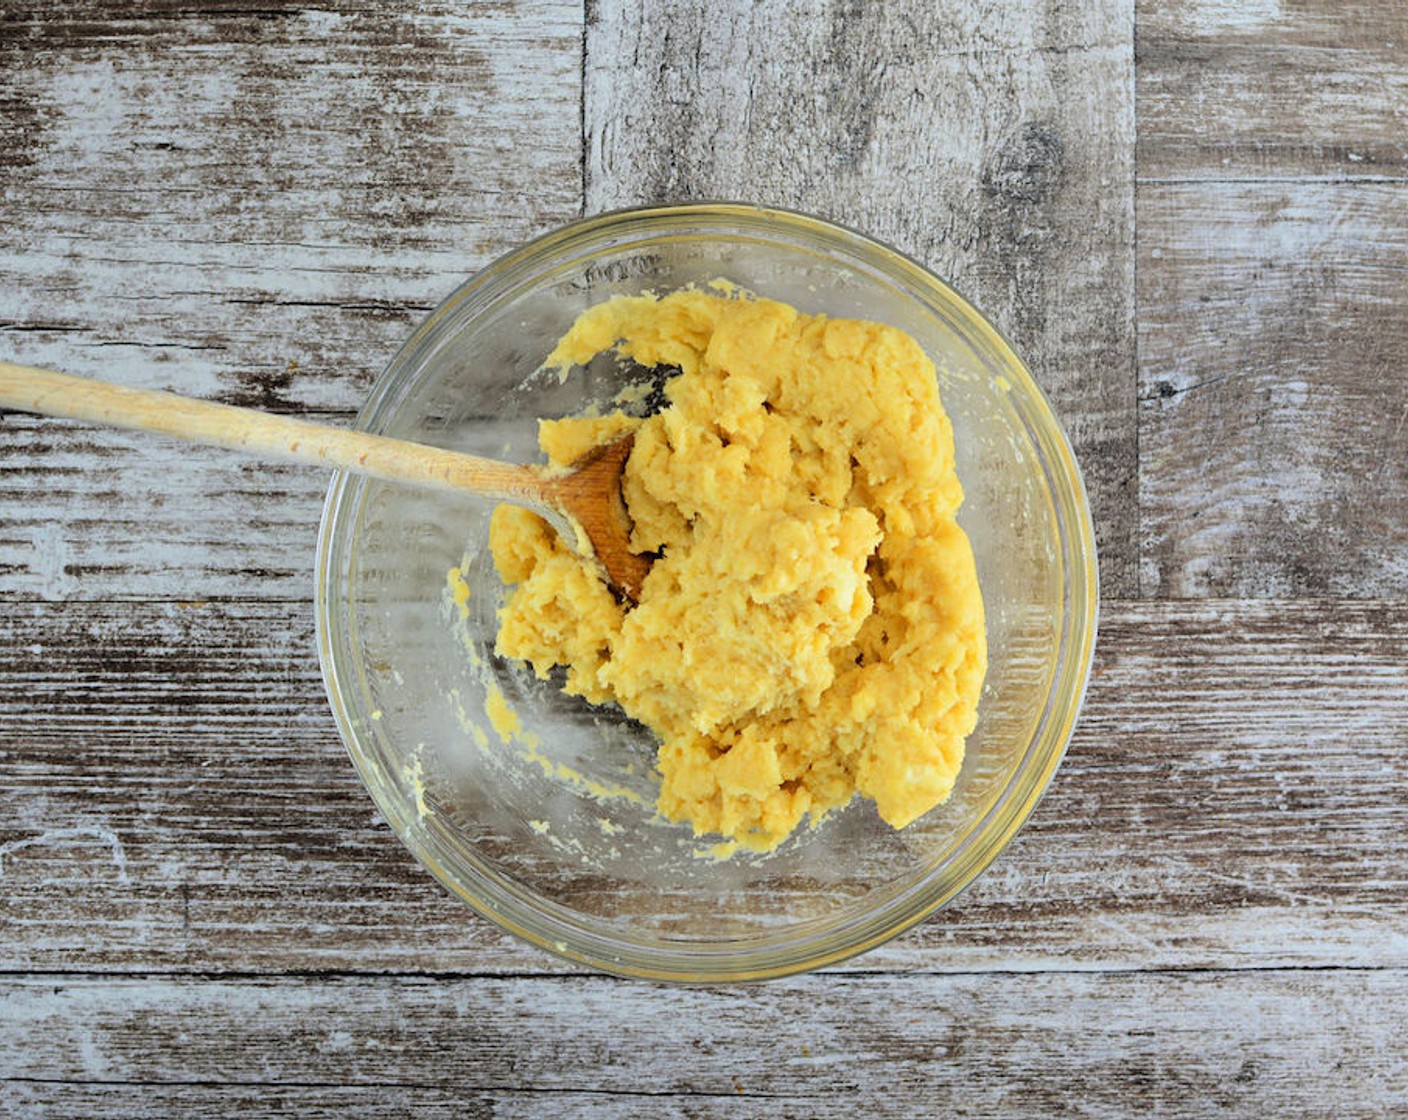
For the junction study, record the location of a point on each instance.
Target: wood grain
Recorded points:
(201, 912)
(1297, 1044)
(92, 513)
(1271, 204)
(1272, 89)
(256, 203)
(590, 493)
(173, 796)
(253, 204)
(992, 141)
(1273, 397)
(152, 812)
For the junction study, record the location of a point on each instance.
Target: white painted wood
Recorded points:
(89, 513)
(1273, 416)
(173, 796)
(200, 913)
(1283, 89)
(257, 205)
(1285, 1044)
(1271, 202)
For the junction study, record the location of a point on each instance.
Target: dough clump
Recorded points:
(813, 627)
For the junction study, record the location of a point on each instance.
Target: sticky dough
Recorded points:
(813, 627)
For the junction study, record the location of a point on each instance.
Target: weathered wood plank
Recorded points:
(1272, 409)
(153, 813)
(174, 789)
(96, 513)
(1234, 793)
(1273, 397)
(256, 204)
(1285, 1044)
(89, 512)
(992, 141)
(173, 796)
(43, 1100)
(1271, 88)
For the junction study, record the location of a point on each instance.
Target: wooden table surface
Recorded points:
(1191, 216)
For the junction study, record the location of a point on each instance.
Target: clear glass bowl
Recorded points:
(553, 834)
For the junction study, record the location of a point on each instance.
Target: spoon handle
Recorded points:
(42, 391)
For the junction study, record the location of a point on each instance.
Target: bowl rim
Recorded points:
(768, 957)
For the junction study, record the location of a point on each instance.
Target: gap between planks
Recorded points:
(569, 973)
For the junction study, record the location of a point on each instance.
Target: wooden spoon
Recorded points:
(583, 503)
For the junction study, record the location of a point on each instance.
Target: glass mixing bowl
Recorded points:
(551, 831)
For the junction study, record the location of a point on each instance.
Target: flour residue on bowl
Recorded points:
(509, 728)
(506, 745)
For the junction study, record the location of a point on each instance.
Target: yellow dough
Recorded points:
(813, 626)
